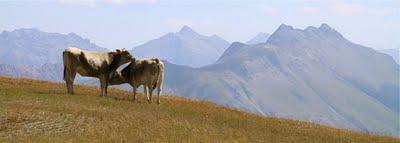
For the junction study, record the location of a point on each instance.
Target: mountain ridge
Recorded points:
(300, 69)
(185, 47)
(32, 47)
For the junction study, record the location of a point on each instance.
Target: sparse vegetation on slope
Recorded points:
(40, 111)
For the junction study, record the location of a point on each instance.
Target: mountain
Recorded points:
(32, 53)
(259, 38)
(185, 47)
(394, 53)
(40, 111)
(312, 74)
(32, 47)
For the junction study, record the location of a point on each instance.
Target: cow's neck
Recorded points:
(116, 58)
(126, 72)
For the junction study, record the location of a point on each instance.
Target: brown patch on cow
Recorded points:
(92, 72)
(126, 72)
(116, 58)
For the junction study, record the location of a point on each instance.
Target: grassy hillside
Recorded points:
(40, 111)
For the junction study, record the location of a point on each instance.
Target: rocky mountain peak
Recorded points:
(284, 27)
(187, 30)
(285, 34)
(325, 27)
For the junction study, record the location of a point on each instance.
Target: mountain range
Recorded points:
(31, 47)
(29, 52)
(185, 47)
(309, 74)
(312, 74)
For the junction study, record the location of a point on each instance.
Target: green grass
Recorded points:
(40, 111)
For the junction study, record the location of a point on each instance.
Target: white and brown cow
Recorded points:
(146, 72)
(92, 64)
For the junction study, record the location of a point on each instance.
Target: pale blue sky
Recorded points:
(128, 23)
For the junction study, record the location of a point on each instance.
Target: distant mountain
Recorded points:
(312, 74)
(32, 47)
(185, 47)
(259, 38)
(394, 53)
(36, 54)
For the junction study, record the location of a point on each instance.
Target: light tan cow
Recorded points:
(92, 64)
(146, 72)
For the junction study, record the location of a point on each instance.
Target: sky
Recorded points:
(129, 23)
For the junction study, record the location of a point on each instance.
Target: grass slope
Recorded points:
(40, 111)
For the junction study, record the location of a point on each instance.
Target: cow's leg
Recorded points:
(151, 94)
(102, 84)
(73, 74)
(158, 94)
(146, 92)
(106, 86)
(134, 91)
(69, 80)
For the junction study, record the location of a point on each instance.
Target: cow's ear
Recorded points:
(118, 51)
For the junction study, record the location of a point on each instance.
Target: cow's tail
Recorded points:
(160, 74)
(65, 62)
(64, 73)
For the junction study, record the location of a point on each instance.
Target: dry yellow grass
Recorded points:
(40, 111)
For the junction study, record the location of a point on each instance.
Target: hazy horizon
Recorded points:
(129, 23)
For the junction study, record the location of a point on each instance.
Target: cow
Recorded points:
(147, 72)
(92, 64)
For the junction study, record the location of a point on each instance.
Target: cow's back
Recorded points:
(71, 56)
(86, 63)
(73, 51)
(146, 71)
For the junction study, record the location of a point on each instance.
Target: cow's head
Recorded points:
(120, 57)
(116, 78)
(124, 56)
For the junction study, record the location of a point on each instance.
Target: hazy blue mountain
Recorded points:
(32, 47)
(312, 74)
(32, 53)
(185, 47)
(259, 38)
(395, 53)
